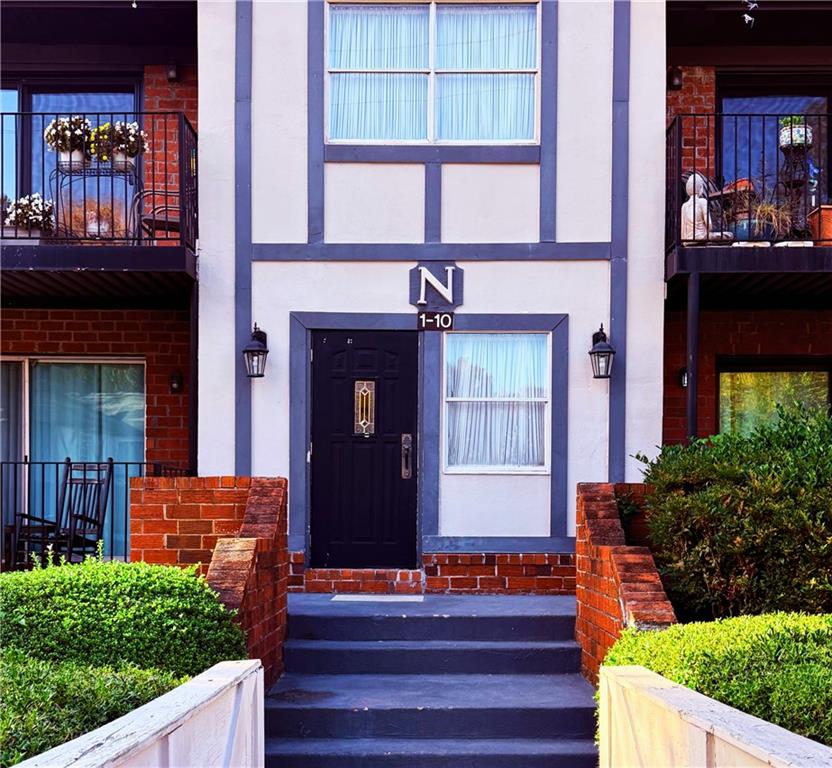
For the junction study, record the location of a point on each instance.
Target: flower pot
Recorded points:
(123, 162)
(820, 225)
(752, 229)
(76, 160)
(795, 136)
(21, 235)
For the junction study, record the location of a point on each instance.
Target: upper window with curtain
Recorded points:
(432, 72)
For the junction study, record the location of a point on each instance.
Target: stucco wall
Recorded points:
(490, 288)
(584, 120)
(217, 354)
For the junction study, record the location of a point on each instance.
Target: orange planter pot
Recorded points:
(820, 225)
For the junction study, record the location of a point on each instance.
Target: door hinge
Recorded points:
(311, 354)
(309, 454)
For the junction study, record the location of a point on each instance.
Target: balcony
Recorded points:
(748, 196)
(94, 221)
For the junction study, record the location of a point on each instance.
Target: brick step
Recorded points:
(430, 753)
(430, 657)
(439, 706)
(438, 617)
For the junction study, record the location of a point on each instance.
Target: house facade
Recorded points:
(429, 209)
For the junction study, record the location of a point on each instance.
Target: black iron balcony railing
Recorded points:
(98, 178)
(748, 179)
(33, 491)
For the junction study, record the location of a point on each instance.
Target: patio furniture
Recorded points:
(85, 499)
(31, 534)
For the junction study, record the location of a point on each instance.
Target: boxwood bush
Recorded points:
(112, 614)
(47, 703)
(743, 524)
(775, 666)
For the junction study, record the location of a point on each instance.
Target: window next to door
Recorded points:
(496, 403)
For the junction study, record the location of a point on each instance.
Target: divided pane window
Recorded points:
(496, 402)
(747, 399)
(432, 72)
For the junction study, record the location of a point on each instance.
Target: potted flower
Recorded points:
(120, 143)
(69, 137)
(794, 132)
(28, 218)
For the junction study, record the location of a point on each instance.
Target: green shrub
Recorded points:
(47, 703)
(743, 524)
(111, 614)
(777, 666)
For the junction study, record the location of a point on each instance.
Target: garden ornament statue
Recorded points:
(696, 217)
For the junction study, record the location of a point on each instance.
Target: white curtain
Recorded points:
(376, 105)
(495, 106)
(497, 390)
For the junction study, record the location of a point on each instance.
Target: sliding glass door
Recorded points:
(84, 411)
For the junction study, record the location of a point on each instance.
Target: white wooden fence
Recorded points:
(647, 720)
(215, 719)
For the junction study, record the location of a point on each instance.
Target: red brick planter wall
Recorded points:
(236, 527)
(618, 585)
(159, 336)
(726, 333)
(251, 573)
(475, 573)
(178, 520)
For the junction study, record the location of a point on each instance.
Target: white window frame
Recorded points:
(545, 469)
(431, 73)
(28, 360)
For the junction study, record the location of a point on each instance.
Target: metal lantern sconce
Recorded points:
(601, 355)
(255, 353)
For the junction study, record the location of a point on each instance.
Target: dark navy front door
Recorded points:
(363, 464)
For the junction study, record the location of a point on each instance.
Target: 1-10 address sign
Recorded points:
(435, 321)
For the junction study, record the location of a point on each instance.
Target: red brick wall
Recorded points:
(697, 96)
(160, 337)
(733, 333)
(161, 167)
(617, 585)
(178, 520)
(251, 573)
(483, 573)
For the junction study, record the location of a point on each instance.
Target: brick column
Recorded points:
(617, 585)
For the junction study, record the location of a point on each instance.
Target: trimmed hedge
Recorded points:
(47, 703)
(743, 524)
(776, 666)
(115, 614)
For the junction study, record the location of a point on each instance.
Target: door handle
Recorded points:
(407, 459)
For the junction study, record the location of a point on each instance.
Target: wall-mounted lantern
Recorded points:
(674, 79)
(255, 353)
(601, 355)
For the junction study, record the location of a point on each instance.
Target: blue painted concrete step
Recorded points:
(439, 617)
(407, 657)
(431, 706)
(430, 753)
